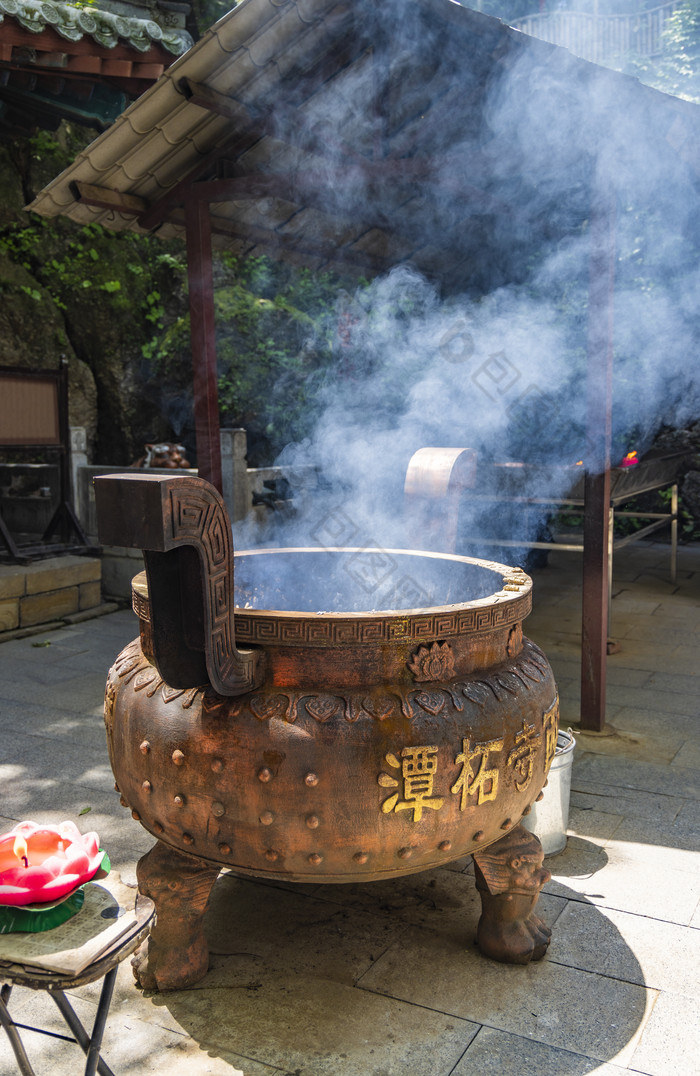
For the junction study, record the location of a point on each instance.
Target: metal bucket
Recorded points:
(549, 818)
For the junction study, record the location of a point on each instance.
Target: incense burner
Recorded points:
(340, 715)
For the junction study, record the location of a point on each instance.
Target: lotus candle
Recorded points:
(43, 864)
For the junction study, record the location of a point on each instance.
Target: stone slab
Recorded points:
(80, 693)
(90, 595)
(670, 1044)
(38, 608)
(649, 701)
(632, 948)
(313, 1027)
(627, 877)
(665, 847)
(9, 614)
(637, 734)
(687, 822)
(688, 754)
(255, 931)
(56, 573)
(440, 900)
(598, 796)
(644, 776)
(129, 1045)
(650, 654)
(570, 669)
(58, 758)
(12, 580)
(501, 1054)
(546, 1001)
(592, 825)
(684, 684)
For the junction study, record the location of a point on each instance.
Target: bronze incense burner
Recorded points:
(339, 743)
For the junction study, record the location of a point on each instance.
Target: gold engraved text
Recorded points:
(522, 757)
(418, 770)
(477, 780)
(551, 728)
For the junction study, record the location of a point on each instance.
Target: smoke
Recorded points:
(493, 357)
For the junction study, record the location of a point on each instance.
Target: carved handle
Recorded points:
(181, 524)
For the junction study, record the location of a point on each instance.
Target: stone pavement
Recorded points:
(383, 979)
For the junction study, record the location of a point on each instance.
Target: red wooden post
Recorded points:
(202, 327)
(597, 523)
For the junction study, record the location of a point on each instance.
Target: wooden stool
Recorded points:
(55, 983)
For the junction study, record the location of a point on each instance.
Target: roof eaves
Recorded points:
(105, 27)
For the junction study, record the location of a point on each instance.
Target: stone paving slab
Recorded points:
(636, 774)
(632, 948)
(131, 1047)
(670, 1044)
(503, 1054)
(628, 877)
(21, 719)
(316, 1027)
(595, 826)
(283, 931)
(650, 702)
(598, 796)
(667, 848)
(440, 900)
(688, 754)
(638, 735)
(77, 693)
(557, 1005)
(60, 756)
(682, 685)
(570, 669)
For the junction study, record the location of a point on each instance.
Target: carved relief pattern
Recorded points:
(141, 606)
(132, 667)
(432, 663)
(197, 517)
(290, 630)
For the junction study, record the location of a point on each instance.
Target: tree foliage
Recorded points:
(678, 71)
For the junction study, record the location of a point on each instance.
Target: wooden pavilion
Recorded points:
(359, 136)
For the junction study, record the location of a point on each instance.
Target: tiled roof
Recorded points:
(333, 137)
(104, 27)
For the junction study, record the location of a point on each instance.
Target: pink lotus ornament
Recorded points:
(43, 864)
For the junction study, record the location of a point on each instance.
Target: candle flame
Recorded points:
(20, 850)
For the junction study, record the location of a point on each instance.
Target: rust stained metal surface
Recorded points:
(370, 743)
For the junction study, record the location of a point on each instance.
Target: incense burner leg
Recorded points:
(175, 955)
(509, 877)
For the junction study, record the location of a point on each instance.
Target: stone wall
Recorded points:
(48, 590)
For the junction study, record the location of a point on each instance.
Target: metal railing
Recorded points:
(600, 37)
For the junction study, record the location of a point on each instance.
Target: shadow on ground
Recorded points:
(296, 974)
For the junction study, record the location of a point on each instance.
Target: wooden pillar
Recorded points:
(202, 328)
(597, 534)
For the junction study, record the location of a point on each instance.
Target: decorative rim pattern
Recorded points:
(271, 627)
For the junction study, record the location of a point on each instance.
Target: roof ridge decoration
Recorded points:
(105, 27)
